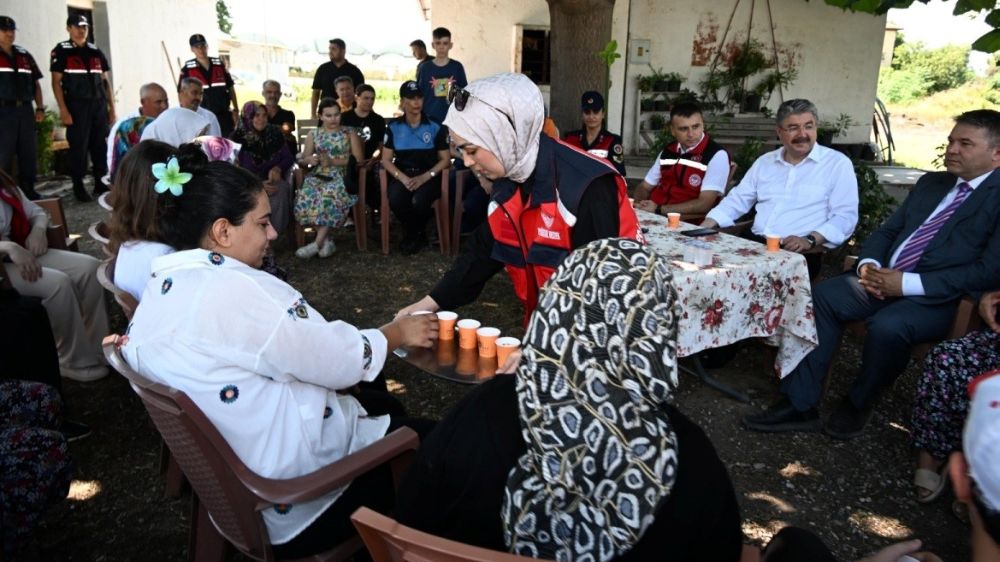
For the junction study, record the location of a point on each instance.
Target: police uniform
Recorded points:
(18, 82)
(607, 145)
(82, 68)
(217, 86)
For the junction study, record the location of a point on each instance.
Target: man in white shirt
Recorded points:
(152, 102)
(190, 94)
(804, 192)
(942, 243)
(690, 174)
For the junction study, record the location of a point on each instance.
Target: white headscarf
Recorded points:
(484, 121)
(176, 126)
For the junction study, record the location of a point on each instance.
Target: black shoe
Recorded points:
(100, 188)
(847, 421)
(782, 416)
(73, 430)
(81, 194)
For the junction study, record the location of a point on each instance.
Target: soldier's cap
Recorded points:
(197, 39)
(592, 101)
(7, 23)
(410, 89)
(77, 20)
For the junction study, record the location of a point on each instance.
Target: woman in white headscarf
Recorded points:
(176, 126)
(547, 199)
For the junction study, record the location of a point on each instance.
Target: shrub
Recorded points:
(895, 86)
(943, 68)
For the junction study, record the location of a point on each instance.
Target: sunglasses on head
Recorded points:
(459, 97)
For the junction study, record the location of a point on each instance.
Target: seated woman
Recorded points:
(65, 281)
(585, 427)
(133, 234)
(324, 201)
(265, 153)
(942, 401)
(176, 126)
(35, 466)
(271, 377)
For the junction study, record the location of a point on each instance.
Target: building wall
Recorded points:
(837, 53)
(134, 32)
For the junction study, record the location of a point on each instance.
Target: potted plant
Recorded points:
(646, 83)
(748, 61)
(662, 104)
(782, 78)
(828, 130)
(674, 81)
(657, 122)
(647, 104)
(659, 79)
(752, 100)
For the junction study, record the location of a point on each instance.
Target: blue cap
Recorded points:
(593, 101)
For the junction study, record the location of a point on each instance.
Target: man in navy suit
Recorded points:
(942, 243)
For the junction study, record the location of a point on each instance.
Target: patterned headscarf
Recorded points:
(504, 115)
(599, 364)
(260, 145)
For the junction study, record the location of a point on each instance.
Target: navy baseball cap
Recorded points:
(78, 20)
(7, 23)
(410, 89)
(592, 101)
(197, 39)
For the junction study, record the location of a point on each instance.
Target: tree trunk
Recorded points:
(579, 30)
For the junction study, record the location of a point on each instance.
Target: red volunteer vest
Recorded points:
(681, 174)
(533, 235)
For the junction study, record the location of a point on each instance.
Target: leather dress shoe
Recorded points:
(81, 193)
(782, 416)
(847, 421)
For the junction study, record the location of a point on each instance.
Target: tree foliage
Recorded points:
(222, 15)
(943, 68)
(989, 42)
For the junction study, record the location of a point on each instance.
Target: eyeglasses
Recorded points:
(460, 98)
(796, 129)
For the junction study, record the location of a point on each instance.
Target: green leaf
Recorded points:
(993, 18)
(963, 6)
(989, 43)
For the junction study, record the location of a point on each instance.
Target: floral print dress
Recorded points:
(323, 199)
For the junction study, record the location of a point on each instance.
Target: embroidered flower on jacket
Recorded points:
(229, 394)
(167, 284)
(282, 508)
(298, 309)
(367, 353)
(215, 258)
(327, 412)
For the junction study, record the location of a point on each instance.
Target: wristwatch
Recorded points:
(811, 239)
(432, 173)
(659, 209)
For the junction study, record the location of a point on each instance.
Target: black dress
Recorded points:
(455, 487)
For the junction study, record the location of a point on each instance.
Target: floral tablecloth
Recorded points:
(746, 292)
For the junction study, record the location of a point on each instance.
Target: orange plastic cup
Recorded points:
(467, 333)
(446, 325)
(506, 346)
(468, 360)
(446, 350)
(773, 243)
(488, 341)
(674, 220)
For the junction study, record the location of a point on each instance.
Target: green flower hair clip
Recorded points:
(170, 177)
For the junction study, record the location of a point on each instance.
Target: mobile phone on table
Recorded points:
(699, 232)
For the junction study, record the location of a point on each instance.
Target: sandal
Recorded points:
(933, 482)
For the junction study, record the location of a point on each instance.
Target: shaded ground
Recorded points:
(856, 495)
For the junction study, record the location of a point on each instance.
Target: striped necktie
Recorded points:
(915, 246)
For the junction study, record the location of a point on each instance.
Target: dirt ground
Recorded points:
(856, 495)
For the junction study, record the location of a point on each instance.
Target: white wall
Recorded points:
(838, 52)
(136, 29)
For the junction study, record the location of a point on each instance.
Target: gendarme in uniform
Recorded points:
(216, 82)
(18, 88)
(78, 75)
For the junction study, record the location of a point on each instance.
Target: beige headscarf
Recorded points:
(508, 95)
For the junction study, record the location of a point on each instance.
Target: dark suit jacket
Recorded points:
(964, 256)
